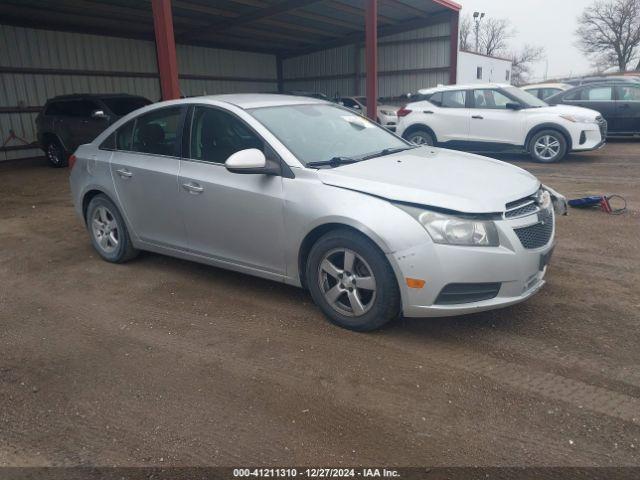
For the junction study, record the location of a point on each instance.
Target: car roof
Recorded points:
(259, 100)
(548, 85)
(474, 86)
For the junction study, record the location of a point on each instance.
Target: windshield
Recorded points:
(318, 133)
(525, 98)
(121, 106)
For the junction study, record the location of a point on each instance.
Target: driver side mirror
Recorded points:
(252, 161)
(513, 106)
(99, 114)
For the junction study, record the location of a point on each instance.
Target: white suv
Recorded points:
(499, 117)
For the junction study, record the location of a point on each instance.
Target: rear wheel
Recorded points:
(421, 137)
(548, 146)
(108, 231)
(57, 156)
(352, 282)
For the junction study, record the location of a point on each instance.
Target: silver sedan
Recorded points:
(306, 192)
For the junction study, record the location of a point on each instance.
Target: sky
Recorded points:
(548, 23)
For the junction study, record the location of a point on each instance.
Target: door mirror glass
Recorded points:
(250, 160)
(513, 106)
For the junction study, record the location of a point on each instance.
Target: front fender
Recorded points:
(310, 204)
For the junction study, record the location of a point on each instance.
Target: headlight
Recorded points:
(578, 118)
(387, 112)
(451, 230)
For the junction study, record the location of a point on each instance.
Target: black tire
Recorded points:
(383, 303)
(421, 137)
(553, 139)
(56, 154)
(104, 208)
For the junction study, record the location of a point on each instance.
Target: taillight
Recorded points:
(403, 112)
(72, 161)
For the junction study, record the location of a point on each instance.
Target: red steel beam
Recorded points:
(371, 49)
(166, 49)
(453, 55)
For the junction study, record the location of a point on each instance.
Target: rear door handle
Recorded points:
(626, 105)
(478, 117)
(124, 173)
(193, 188)
(428, 112)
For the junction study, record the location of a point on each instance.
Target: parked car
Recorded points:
(602, 78)
(302, 191)
(386, 114)
(68, 121)
(545, 90)
(495, 117)
(618, 103)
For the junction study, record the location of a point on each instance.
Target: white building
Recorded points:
(478, 68)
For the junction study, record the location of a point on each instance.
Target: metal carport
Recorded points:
(292, 32)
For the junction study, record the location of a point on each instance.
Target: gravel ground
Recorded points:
(166, 362)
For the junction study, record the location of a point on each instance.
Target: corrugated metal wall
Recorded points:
(406, 62)
(79, 63)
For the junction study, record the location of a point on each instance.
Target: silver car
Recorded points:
(306, 192)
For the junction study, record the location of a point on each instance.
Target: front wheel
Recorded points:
(548, 146)
(421, 137)
(352, 282)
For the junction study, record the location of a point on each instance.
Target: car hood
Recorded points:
(436, 177)
(567, 110)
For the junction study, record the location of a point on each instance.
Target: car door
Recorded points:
(452, 119)
(628, 108)
(232, 218)
(145, 169)
(599, 98)
(492, 121)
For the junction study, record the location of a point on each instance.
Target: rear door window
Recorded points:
(598, 94)
(124, 135)
(158, 132)
(456, 99)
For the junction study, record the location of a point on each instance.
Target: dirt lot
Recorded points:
(166, 362)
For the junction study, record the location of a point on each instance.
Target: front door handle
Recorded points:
(193, 188)
(626, 105)
(124, 173)
(478, 117)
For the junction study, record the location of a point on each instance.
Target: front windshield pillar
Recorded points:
(371, 49)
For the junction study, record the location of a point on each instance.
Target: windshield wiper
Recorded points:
(333, 162)
(387, 151)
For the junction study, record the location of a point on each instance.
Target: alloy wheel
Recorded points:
(419, 139)
(547, 147)
(347, 282)
(54, 154)
(105, 229)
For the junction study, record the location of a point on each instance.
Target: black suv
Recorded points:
(71, 120)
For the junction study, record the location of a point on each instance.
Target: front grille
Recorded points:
(522, 207)
(460, 293)
(602, 123)
(538, 235)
